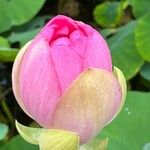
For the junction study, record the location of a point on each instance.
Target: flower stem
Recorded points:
(7, 111)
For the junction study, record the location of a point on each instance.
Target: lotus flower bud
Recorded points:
(63, 79)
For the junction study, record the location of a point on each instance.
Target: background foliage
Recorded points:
(125, 24)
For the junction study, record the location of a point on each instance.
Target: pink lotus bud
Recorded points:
(63, 78)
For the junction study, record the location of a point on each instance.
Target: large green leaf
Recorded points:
(145, 71)
(4, 42)
(142, 36)
(6, 53)
(17, 12)
(108, 14)
(23, 37)
(3, 130)
(140, 7)
(131, 129)
(106, 32)
(17, 143)
(25, 33)
(124, 52)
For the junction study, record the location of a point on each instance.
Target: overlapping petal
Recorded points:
(38, 84)
(89, 103)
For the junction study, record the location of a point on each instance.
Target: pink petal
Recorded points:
(67, 65)
(63, 27)
(15, 76)
(38, 84)
(63, 21)
(78, 42)
(63, 41)
(97, 53)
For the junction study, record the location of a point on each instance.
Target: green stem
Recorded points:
(7, 111)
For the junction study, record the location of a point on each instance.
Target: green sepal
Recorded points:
(122, 81)
(49, 139)
(29, 134)
(58, 140)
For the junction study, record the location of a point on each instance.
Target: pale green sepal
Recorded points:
(95, 144)
(121, 78)
(29, 134)
(49, 139)
(58, 140)
(122, 81)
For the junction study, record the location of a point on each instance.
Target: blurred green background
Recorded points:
(125, 24)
